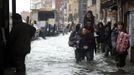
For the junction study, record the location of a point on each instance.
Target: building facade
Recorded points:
(73, 9)
(82, 10)
(59, 11)
(126, 14)
(121, 10)
(40, 6)
(95, 6)
(109, 11)
(67, 11)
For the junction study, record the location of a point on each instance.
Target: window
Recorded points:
(93, 1)
(45, 15)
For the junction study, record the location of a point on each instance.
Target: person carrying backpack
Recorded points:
(74, 36)
(122, 45)
(74, 41)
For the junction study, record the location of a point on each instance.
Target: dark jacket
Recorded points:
(107, 35)
(1, 39)
(87, 40)
(89, 19)
(74, 38)
(100, 33)
(20, 38)
(1, 53)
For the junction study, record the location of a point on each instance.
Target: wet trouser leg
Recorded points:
(107, 50)
(103, 47)
(1, 62)
(90, 55)
(97, 43)
(115, 55)
(20, 64)
(121, 60)
(98, 47)
(113, 52)
(10, 60)
(79, 55)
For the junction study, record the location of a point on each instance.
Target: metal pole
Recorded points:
(6, 18)
(13, 9)
(14, 6)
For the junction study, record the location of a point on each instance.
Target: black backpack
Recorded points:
(74, 37)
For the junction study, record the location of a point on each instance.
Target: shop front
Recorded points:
(109, 11)
(129, 20)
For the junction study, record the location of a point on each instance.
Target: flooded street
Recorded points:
(53, 56)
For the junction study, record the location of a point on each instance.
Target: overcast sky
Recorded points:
(22, 5)
(25, 5)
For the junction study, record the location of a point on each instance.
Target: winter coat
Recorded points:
(74, 38)
(1, 39)
(125, 52)
(107, 35)
(20, 38)
(91, 19)
(114, 36)
(100, 33)
(87, 40)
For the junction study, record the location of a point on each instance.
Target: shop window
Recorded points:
(93, 1)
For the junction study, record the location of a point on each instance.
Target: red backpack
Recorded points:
(122, 42)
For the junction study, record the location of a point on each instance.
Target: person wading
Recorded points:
(19, 43)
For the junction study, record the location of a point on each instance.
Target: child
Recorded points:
(87, 43)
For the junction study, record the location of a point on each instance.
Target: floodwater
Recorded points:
(53, 56)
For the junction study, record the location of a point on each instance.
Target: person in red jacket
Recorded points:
(121, 57)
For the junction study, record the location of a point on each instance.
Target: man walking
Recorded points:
(19, 43)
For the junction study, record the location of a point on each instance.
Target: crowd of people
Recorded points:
(45, 30)
(90, 38)
(107, 40)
